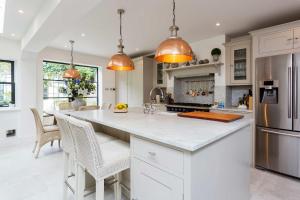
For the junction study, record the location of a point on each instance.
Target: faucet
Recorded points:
(151, 91)
(148, 107)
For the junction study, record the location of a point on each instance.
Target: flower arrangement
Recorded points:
(77, 88)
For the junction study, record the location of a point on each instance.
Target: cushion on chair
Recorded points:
(51, 128)
(116, 157)
(103, 138)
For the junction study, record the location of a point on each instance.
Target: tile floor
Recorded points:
(24, 178)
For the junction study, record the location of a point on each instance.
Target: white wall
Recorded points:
(29, 82)
(58, 55)
(202, 50)
(25, 67)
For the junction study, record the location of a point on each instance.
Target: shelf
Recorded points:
(216, 64)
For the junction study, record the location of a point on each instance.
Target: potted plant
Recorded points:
(76, 89)
(216, 52)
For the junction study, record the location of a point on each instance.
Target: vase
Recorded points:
(78, 102)
(216, 58)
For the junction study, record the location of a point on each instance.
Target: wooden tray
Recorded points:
(221, 117)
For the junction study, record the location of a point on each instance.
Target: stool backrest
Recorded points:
(82, 108)
(88, 152)
(67, 138)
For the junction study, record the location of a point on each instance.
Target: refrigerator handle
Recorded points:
(296, 93)
(289, 92)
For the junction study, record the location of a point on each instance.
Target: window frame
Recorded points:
(79, 65)
(12, 82)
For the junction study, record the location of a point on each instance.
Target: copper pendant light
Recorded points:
(72, 73)
(174, 49)
(120, 61)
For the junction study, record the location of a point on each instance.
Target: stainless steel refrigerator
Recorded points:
(278, 114)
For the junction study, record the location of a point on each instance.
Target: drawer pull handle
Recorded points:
(152, 153)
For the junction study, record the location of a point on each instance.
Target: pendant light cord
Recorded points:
(72, 58)
(121, 37)
(174, 28)
(174, 13)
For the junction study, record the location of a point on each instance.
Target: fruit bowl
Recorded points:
(121, 108)
(125, 110)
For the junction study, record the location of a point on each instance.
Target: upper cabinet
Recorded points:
(159, 75)
(238, 62)
(276, 40)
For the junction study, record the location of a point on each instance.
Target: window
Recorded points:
(7, 85)
(53, 82)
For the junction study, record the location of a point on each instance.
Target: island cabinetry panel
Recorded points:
(151, 183)
(156, 171)
(158, 155)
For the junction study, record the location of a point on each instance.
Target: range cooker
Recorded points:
(188, 107)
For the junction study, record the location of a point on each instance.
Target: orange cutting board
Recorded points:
(221, 117)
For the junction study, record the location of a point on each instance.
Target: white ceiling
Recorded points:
(146, 22)
(16, 23)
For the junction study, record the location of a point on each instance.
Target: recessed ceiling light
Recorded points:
(137, 49)
(13, 35)
(21, 12)
(82, 34)
(218, 24)
(66, 46)
(2, 14)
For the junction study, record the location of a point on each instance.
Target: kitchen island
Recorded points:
(174, 158)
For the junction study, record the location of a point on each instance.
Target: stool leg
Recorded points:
(80, 183)
(117, 187)
(34, 147)
(66, 173)
(100, 190)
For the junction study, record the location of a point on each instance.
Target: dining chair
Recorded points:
(106, 106)
(65, 106)
(99, 160)
(68, 145)
(44, 134)
(83, 108)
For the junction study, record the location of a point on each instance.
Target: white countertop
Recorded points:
(167, 128)
(233, 109)
(9, 109)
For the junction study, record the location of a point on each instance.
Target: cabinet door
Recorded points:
(276, 42)
(159, 75)
(240, 64)
(135, 85)
(150, 183)
(297, 38)
(121, 86)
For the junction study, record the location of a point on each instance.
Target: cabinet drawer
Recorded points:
(150, 183)
(167, 158)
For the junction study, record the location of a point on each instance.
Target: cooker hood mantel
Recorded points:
(194, 70)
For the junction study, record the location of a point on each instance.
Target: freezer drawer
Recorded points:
(278, 150)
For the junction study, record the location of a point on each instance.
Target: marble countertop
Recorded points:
(163, 127)
(9, 109)
(232, 109)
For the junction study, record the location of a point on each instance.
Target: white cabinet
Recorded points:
(238, 62)
(278, 41)
(282, 39)
(155, 171)
(133, 87)
(297, 38)
(159, 75)
(151, 183)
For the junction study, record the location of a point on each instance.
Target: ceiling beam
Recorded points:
(54, 17)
